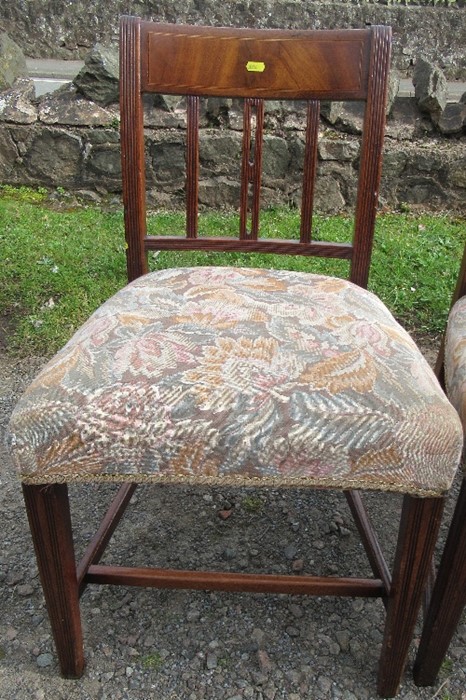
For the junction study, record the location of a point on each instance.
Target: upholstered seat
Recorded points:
(455, 357)
(240, 376)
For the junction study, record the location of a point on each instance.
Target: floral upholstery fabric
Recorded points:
(239, 376)
(455, 358)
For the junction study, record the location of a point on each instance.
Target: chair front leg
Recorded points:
(419, 524)
(50, 522)
(448, 599)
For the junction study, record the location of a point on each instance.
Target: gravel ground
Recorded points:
(144, 643)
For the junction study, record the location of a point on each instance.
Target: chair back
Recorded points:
(255, 66)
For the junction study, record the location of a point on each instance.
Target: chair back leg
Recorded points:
(50, 522)
(420, 521)
(448, 599)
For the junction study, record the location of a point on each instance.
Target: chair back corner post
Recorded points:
(132, 146)
(371, 154)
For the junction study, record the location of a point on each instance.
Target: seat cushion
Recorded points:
(455, 358)
(239, 376)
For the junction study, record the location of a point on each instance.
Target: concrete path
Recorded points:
(455, 89)
(49, 74)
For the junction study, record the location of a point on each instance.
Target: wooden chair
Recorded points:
(448, 598)
(237, 376)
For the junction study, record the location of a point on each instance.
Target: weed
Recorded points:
(447, 666)
(252, 504)
(152, 662)
(224, 662)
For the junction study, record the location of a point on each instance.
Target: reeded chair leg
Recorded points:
(448, 599)
(50, 522)
(420, 521)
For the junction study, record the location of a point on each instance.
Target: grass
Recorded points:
(58, 266)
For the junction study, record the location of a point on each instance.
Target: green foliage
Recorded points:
(446, 667)
(58, 266)
(23, 193)
(252, 504)
(415, 266)
(224, 662)
(152, 662)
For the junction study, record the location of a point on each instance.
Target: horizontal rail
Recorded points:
(269, 245)
(227, 581)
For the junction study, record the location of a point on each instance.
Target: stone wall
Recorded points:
(63, 29)
(66, 140)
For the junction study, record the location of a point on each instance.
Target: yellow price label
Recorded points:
(255, 66)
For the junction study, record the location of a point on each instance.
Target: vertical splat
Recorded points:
(310, 167)
(192, 166)
(251, 170)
